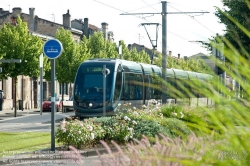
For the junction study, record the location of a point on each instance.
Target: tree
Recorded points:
(17, 43)
(235, 16)
(72, 56)
(96, 45)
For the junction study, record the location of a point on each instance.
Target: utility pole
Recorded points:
(164, 40)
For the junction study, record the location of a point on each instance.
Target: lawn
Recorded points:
(20, 142)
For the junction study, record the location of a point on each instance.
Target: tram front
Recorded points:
(88, 89)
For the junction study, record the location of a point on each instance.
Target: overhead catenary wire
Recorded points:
(138, 16)
(143, 7)
(193, 18)
(118, 9)
(143, 17)
(149, 5)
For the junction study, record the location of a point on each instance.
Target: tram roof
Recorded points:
(180, 74)
(202, 76)
(132, 67)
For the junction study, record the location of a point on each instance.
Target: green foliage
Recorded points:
(176, 127)
(148, 128)
(234, 14)
(17, 43)
(168, 110)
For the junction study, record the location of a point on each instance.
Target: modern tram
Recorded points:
(127, 82)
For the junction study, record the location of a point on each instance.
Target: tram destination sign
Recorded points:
(52, 48)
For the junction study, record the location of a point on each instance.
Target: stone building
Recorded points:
(28, 88)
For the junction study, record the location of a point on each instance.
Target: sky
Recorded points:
(182, 29)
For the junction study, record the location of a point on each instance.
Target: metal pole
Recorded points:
(53, 98)
(41, 83)
(22, 92)
(104, 90)
(164, 49)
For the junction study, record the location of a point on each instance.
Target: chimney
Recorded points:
(66, 20)
(32, 19)
(16, 11)
(86, 27)
(129, 47)
(170, 53)
(105, 30)
(179, 56)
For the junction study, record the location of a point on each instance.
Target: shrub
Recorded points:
(176, 127)
(148, 128)
(78, 133)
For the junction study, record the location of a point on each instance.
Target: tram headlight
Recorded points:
(90, 104)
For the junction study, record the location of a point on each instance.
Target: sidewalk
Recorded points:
(5, 114)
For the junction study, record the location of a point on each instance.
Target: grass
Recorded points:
(20, 142)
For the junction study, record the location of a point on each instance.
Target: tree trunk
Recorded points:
(62, 97)
(15, 84)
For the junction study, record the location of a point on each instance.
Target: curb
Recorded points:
(47, 156)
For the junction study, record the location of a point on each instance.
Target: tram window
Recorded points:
(132, 88)
(149, 89)
(170, 87)
(157, 89)
(117, 86)
(201, 86)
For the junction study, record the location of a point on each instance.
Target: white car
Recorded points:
(68, 105)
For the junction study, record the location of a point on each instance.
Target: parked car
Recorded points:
(47, 104)
(68, 104)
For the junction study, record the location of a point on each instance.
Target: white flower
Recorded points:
(134, 122)
(174, 113)
(129, 103)
(119, 104)
(126, 138)
(63, 124)
(130, 129)
(89, 127)
(64, 130)
(79, 132)
(134, 108)
(182, 115)
(92, 136)
(127, 118)
(135, 113)
(144, 106)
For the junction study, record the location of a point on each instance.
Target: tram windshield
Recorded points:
(88, 88)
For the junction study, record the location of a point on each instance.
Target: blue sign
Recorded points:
(52, 48)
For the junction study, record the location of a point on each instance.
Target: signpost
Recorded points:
(41, 83)
(53, 49)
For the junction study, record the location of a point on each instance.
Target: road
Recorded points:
(32, 122)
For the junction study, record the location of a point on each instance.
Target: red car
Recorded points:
(47, 104)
